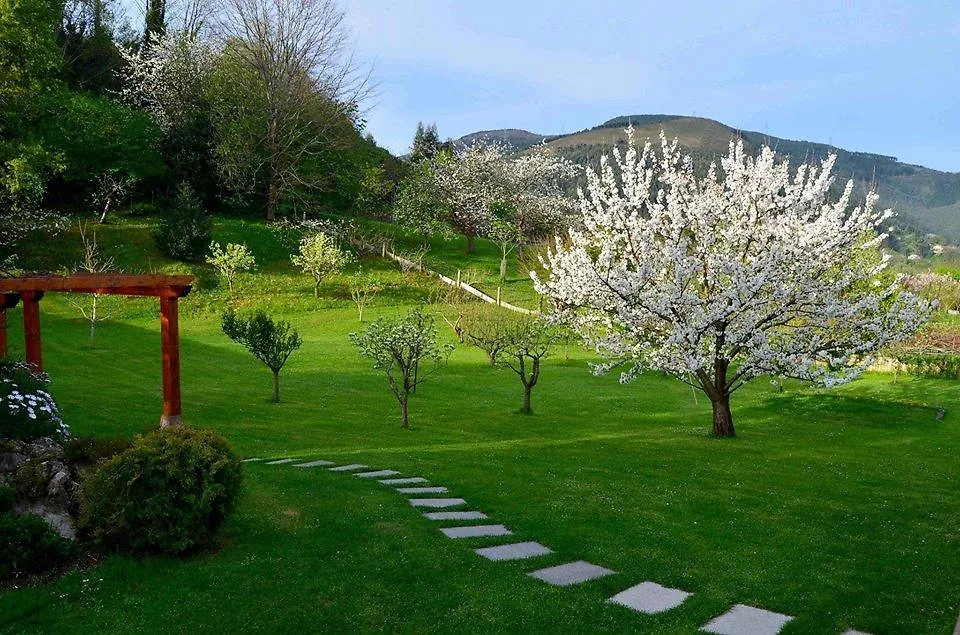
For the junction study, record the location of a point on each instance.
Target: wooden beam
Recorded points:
(31, 328)
(118, 283)
(3, 332)
(170, 355)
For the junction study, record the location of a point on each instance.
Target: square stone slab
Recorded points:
(422, 490)
(437, 502)
(348, 468)
(476, 531)
(315, 464)
(455, 515)
(256, 458)
(514, 551)
(377, 474)
(404, 481)
(747, 620)
(650, 597)
(280, 462)
(570, 573)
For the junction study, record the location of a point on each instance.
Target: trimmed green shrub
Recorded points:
(184, 233)
(90, 450)
(167, 494)
(29, 545)
(27, 410)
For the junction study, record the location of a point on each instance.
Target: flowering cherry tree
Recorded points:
(167, 77)
(469, 182)
(486, 192)
(750, 270)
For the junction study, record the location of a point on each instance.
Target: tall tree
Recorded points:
(750, 270)
(29, 64)
(293, 79)
(426, 143)
(154, 20)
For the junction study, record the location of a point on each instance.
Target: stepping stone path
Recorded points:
(646, 597)
(747, 620)
(404, 481)
(377, 474)
(455, 515)
(348, 468)
(514, 551)
(571, 573)
(437, 502)
(476, 531)
(850, 631)
(650, 597)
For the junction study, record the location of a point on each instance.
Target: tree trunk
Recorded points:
(527, 389)
(316, 289)
(722, 417)
(503, 266)
(273, 178)
(404, 415)
(276, 386)
(471, 243)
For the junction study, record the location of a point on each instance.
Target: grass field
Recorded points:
(838, 507)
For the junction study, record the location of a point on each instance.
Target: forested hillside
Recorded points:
(927, 201)
(242, 111)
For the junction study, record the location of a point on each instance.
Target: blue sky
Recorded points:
(877, 76)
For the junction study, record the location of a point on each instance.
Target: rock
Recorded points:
(45, 484)
(57, 518)
(10, 461)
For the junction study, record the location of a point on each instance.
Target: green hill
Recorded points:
(926, 200)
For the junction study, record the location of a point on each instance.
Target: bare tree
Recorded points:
(92, 262)
(298, 81)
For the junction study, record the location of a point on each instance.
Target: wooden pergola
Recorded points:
(30, 289)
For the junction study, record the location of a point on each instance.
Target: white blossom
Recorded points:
(167, 76)
(749, 270)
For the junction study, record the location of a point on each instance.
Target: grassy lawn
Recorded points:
(838, 507)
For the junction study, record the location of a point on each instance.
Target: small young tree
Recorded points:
(363, 289)
(320, 256)
(111, 188)
(92, 262)
(399, 347)
(454, 302)
(489, 328)
(184, 231)
(525, 343)
(270, 342)
(231, 261)
(749, 270)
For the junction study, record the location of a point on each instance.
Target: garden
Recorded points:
(472, 388)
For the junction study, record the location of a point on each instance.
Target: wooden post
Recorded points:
(383, 249)
(7, 301)
(31, 328)
(3, 331)
(170, 349)
(498, 296)
(458, 278)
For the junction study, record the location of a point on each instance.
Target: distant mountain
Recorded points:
(926, 201)
(518, 139)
